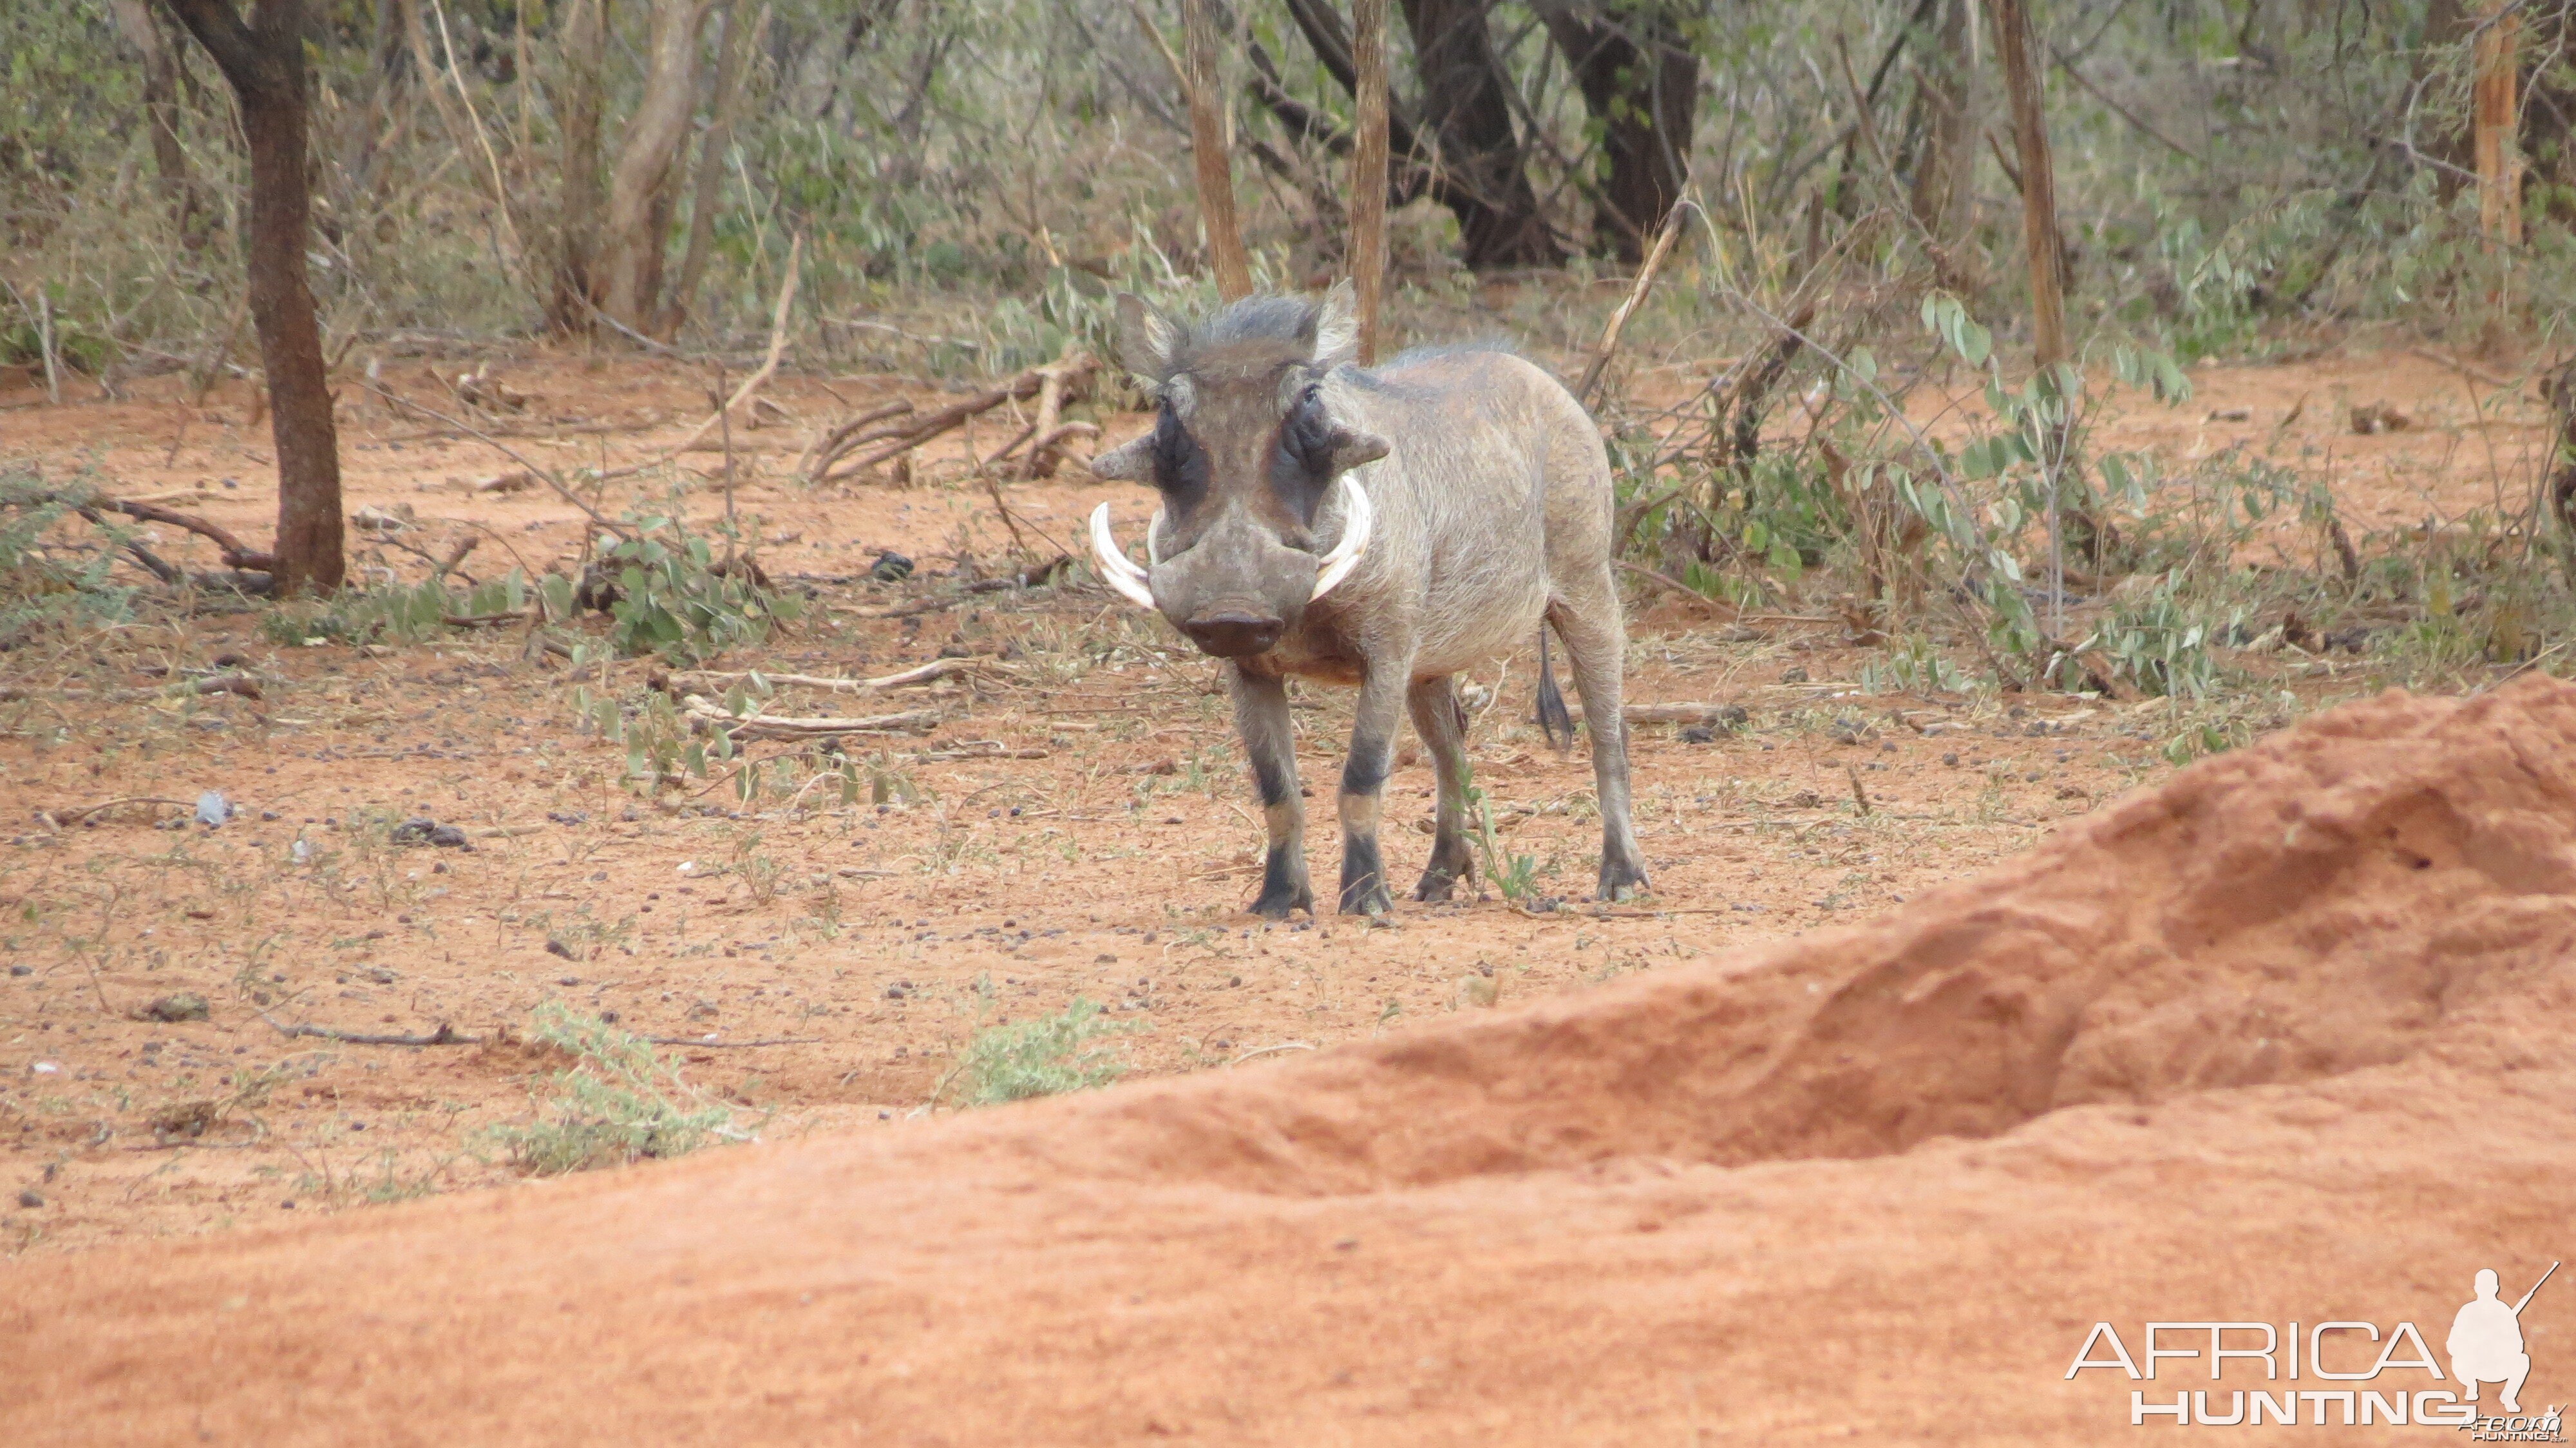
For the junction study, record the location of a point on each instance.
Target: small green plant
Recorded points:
(2156, 643)
(1516, 877)
(408, 613)
(762, 873)
(41, 582)
(1044, 1057)
(674, 599)
(620, 1101)
(1913, 666)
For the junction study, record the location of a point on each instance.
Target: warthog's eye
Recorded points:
(1305, 460)
(1180, 464)
(1302, 467)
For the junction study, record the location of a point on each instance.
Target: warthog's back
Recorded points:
(1497, 484)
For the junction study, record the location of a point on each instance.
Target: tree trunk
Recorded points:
(1948, 156)
(161, 111)
(264, 63)
(1368, 173)
(1469, 119)
(2494, 122)
(639, 190)
(585, 49)
(1640, 82)
(2014, 45)
(1209, 152)
(711, 158)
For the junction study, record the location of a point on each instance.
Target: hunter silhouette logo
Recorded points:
(2486, 1341)
(2363, 1375)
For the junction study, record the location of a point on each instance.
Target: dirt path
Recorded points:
(2284, 1039)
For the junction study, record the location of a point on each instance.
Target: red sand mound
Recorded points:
(2286, 1040)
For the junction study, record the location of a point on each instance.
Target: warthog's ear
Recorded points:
(1127, 463)
(1337, 327)
(1148, 342)
(1350, 448)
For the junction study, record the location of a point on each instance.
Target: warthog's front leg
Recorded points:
(1364, 890)
(1436, 717)
(1261, 716)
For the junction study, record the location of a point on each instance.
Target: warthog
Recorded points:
(1384, 527)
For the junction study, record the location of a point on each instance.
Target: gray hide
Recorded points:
(1492, 506)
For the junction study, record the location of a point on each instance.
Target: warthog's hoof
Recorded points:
(1367, 897)
(1279, 904)
(1621, 880)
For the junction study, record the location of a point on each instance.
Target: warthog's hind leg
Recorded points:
(1587, 616)
(1261, 716)
(1443, 727)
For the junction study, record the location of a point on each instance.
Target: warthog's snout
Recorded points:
(1234, 633)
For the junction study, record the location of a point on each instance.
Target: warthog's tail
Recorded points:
(1553, 718)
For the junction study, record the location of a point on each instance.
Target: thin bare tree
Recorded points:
(579, 100)
(1368, 173)
(2495, 118)
(263, 61)
(2014, 46)
(640, 190)
(1210, 144)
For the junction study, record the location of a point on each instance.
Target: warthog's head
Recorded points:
(1248, 457)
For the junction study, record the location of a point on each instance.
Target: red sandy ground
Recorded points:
(1596, 1215)
(2284, 1039)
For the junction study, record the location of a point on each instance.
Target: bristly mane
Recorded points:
(1258, 319)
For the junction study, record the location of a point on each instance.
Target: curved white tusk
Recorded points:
(1153, 552)
(1337, 565)
(1116, 568)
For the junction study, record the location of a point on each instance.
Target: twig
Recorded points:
(546, 475)
(1267, 1050)
(935, 669)
(201, 375)
(75, 816)
(779, 726)
(1666, 713)
(1018, 389)
(1722, 610)
(1860, 795)
(445, 1035)
(45, 341)
(769, 363)
(236, 554)
(500, 191)
(734, 1045)
(1636, 295)
(2480, 374)
(828, 448)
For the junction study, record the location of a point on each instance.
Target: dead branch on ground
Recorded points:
(710, 716)
(769, 362)
(830, 447)
(695, 680)
(1069, 370)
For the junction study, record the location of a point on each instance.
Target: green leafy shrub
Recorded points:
(619, 1102)
(1044, 1057)
(676, 600)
